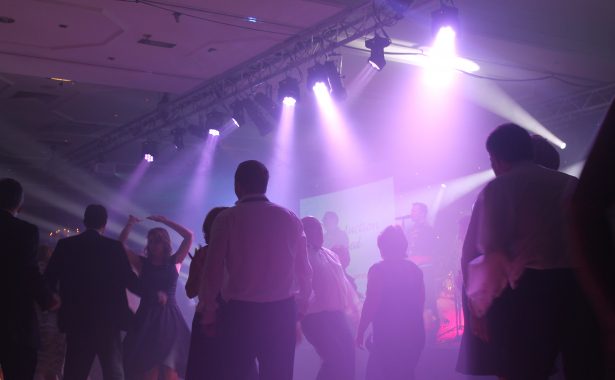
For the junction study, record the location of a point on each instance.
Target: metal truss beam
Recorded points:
(307, 46)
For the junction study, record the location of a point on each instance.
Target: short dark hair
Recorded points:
(252, 176)
(392, 243)
(510, 143)
(209, 221)
(95, 217)
(422, 206)
(11, 194)
(545, 153)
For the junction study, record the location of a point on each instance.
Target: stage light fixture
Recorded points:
(263, 125)
(237, 111)
(215, 121)
(150, 150)
(376, 45)
(267, 104)
(288, 91)
(214, 132)
(178, 137)
(317, 74)
(446, 16)
(336, 84)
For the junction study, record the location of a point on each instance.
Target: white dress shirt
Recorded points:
(331, 289)
(257, 253)
(521, 224)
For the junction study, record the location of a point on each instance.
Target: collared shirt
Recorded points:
(257, 253)
(522, 216)
(331, 289)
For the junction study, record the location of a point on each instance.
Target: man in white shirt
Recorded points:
(523, 236)
(257, 260)
(334, 235)
(325, 325)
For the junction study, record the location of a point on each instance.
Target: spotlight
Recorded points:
(150, 150)
(288, 91)
(267, 104)
(259, 120)
(317, 74)
(215, 120)
(237, 109)
(446, 16)
(335, 80)
(377, 45)
(214, 132)
(178, 138)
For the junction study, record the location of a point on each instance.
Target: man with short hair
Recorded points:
(257, 258)
(522, 234)
(92, 273)
(21, 286)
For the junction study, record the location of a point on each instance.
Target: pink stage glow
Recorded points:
(442, 57)
(341, 145)
(283, 159)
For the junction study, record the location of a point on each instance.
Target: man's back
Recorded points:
(262, 240)
(20, 280)
(524, 216)
(92, 273)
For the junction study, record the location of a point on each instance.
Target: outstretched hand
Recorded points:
(133, 219)
(157, 218)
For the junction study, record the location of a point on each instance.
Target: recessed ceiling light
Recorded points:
(58, 79)
(6, 20)
(251, 19)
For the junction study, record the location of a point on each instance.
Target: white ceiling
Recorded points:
(116, 79)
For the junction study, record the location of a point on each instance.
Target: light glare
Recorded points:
(289, 101)
(214, 132)
(148, 157)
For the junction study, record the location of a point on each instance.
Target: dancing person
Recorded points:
(21, 286)
(325, 324)
(593, 223)
(157, 345)
(257, 258)
(52, 341)
(394, 307)
(204, 357)
(525, 282)
(92, 274)
(334, 235)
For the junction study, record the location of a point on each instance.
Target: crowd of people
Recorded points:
(264, 275)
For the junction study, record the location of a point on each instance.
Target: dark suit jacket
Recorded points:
(21, 283)
(92, 274)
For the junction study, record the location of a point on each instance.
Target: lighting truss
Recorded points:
(312, 44)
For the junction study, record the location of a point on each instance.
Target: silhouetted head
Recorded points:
(509, 144)
(95, 217)
(313, 232)
(392, 243)
(251, 177)
(545, 154)
(343, 253)
(419, 211)
(11, 195)
(158, 243)
(330, 220)
(209, 221)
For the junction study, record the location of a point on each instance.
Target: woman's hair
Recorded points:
(209, 221)
(392, 243)
(162, 235)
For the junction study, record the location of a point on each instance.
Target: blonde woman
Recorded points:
(157, 346)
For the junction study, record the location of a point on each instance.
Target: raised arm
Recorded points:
(185, 233)
(133, 258)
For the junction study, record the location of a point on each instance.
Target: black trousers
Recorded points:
(330, 334)
(546, 315)
(18, 361)
(261, 331)
(82, 347)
